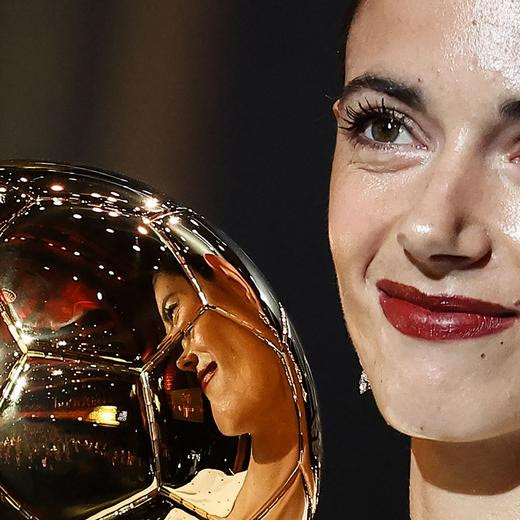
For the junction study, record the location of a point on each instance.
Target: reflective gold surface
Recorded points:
(148, 371)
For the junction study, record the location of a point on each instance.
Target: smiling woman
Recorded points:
(236, 362)
(428, 153)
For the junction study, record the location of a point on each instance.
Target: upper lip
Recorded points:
(210, 367)
(443, 302)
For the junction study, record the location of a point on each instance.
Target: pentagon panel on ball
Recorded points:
(148, 372)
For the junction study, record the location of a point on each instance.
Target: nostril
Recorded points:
(189, 365)
(187, 362)
(450, 258)
(462, 261)
(438, 265)
(483, 260)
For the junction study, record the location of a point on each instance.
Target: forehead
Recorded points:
(449, 40)
(168, 281)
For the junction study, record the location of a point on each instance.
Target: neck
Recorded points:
(274, 456)
(465, 480)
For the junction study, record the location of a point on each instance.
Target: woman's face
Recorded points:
(239, 373)
(425, 212)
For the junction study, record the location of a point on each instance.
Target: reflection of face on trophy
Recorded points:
(231, 350)
(147, 355)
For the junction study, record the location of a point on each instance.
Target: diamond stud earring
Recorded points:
(364, 383)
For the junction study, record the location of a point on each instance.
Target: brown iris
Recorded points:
(385, 129)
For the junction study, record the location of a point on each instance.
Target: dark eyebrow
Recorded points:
(405, 93)
(510, 109)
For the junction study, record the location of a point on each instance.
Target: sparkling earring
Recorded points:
(364, 383)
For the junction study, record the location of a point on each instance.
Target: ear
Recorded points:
(335, 109)
(226, 271)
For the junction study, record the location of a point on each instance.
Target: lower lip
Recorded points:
(412, 320)
(206, 379)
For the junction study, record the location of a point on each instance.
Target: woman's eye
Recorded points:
(387, 130)
(169, 311)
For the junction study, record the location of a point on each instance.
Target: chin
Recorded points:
(460, 422)
(229, 423)
(462, 391)
(228, 429)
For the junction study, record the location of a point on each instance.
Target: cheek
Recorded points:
(363, 207)
(365, 210)
(508, 213)
(249, 371)
(249, 388)
(253, 365)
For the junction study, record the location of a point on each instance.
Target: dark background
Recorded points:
(225, 105)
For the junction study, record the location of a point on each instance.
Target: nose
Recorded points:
(444, 230)
(188, 360)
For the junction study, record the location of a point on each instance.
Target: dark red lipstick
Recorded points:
(441, 317)
(206, 374)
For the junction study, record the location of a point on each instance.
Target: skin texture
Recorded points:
(249, 391)
(439, 210)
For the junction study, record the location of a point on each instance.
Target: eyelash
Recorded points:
(359, 118)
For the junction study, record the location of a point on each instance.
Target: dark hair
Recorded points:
(350, 14)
